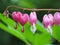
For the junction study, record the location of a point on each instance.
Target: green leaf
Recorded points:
(56, 32)
(41, 37)
(8, 21)
(44, 37)
(10, 28)
(13, 32)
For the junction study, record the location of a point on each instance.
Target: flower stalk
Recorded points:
(31, 9)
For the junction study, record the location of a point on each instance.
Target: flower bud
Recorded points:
(57, 18)
(6, 13)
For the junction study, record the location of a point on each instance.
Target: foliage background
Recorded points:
(8, 39)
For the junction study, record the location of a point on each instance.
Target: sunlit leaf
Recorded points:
(56, 32)
(40, 37)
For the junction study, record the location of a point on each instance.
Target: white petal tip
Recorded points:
(33, 29)
(49, 30)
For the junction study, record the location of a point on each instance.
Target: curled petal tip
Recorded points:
(49, 29)
(33, 29)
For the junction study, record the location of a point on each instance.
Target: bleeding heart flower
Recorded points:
(48, 22)
(15, 16)
(57, 18)
(23, 19)
(33, 20)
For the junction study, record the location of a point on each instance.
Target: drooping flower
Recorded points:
(57, 18)
(23, 19)
(33, 20)
(48, 22)
(15, 16)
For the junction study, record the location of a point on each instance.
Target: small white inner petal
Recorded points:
(33, 28)
(49, 30)
(7, 15)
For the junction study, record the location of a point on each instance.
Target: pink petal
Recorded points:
(57, 18)
(24, 19)
(33, 18)
(47, 20)
(16, 15)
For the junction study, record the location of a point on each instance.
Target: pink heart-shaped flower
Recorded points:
(23, 19)
(16, 15)
(48, 20)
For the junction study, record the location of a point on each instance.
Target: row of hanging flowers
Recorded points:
(48, 20)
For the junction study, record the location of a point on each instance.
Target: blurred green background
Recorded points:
(6, 38)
